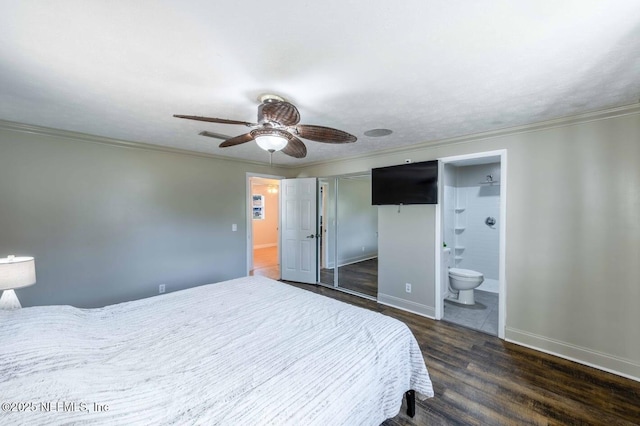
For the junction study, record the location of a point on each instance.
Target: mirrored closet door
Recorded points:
(348, 255)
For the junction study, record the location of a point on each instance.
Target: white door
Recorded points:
(299, 230)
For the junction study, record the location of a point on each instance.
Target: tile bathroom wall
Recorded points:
(449, 199)
(476, 245)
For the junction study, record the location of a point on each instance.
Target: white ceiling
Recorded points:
(426, 69)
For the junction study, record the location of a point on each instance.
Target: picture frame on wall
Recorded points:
(257, 201)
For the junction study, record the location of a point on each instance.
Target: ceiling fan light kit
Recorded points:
(277, 129)
(270, 141)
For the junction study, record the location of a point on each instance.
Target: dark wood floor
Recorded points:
(361, 277)
(481, 380)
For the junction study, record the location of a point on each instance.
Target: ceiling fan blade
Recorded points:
(215, 135)
(214, 120)
(295, 148)
(324, 134)
(280, 112)
(237, 140)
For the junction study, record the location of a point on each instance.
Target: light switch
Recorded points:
(234, 227)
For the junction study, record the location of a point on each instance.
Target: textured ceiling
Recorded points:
(426, 69)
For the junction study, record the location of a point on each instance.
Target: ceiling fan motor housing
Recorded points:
(271, 132)
(279, 113)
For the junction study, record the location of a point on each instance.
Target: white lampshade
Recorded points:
(16, 272)
(271, 142)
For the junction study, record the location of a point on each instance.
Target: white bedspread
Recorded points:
(250, 351)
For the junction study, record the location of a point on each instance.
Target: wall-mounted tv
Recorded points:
(413, 183)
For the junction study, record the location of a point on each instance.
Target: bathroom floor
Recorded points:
(482, 316)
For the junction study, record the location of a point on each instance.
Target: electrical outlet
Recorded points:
(161, 288)
(408, 287)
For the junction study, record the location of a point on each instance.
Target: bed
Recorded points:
(249, 351)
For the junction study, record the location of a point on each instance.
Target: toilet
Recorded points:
(464, 281)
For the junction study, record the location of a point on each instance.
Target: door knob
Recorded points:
(311, 236)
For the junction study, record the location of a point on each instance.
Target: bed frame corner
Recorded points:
(411, 402)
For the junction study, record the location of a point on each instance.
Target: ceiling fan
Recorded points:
(277, 129)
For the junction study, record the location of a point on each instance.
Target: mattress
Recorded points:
(249, 351)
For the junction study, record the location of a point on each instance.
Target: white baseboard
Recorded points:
(407, 305)
(357, 259)
(352, 260)
(259, 246)
(600, 360)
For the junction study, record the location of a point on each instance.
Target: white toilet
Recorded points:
(464, 281)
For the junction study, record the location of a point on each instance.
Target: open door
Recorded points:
(299, 241)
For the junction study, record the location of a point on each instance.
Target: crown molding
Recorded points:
(86, 137)
(525, 128)
(533, 127)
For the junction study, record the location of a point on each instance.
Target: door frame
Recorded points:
(502, 276)
(248, 213)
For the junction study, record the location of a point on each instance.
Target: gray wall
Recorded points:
(573, 235)
(406, 254)
(108, 224)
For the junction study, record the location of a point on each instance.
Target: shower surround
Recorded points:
(472, 217)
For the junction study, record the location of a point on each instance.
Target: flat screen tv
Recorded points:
(413, 183)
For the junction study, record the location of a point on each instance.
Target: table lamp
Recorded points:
(15, 272)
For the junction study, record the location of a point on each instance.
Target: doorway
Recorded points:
(263, 227)
(471, 229)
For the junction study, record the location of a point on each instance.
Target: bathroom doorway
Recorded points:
(472, 240)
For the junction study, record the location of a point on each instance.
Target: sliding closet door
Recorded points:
(349, 229)
(327, 224)
(357, 233)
